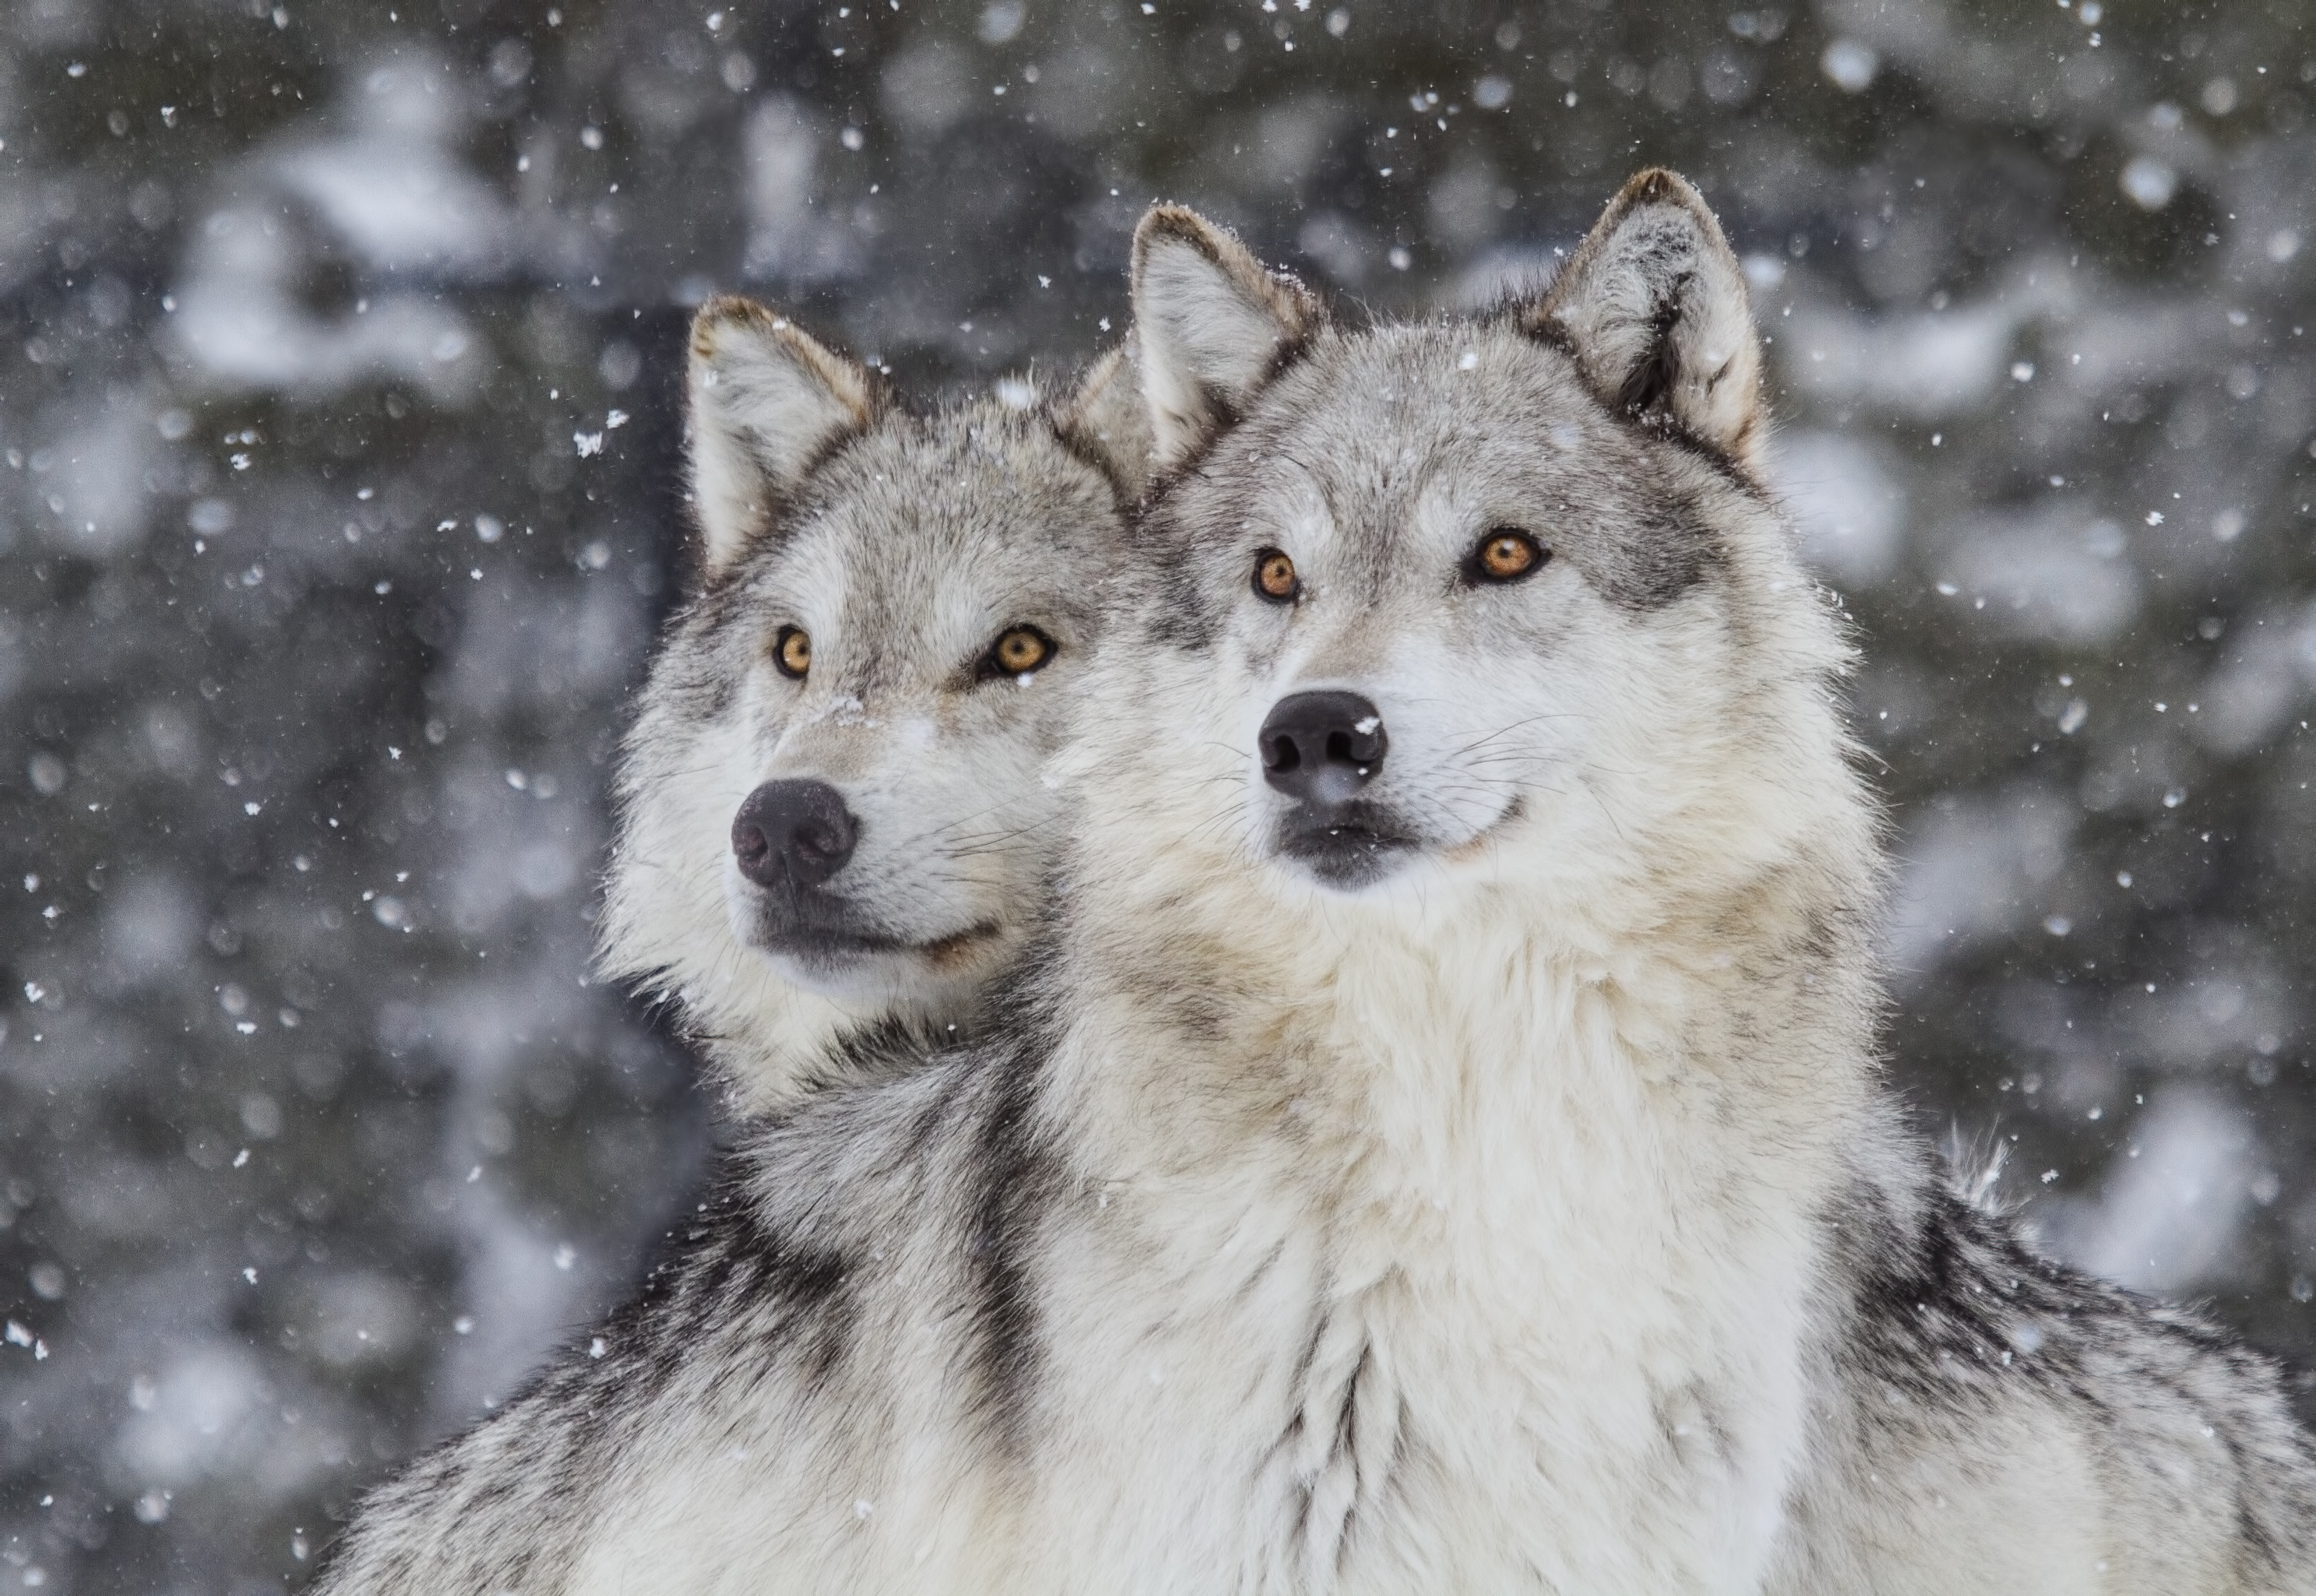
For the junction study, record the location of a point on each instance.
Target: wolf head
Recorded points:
(1473, 604)
(832, 805)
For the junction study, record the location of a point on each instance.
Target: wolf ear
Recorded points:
(1107, 421)
(1654, 309)
(1210, 324)
(765, 402)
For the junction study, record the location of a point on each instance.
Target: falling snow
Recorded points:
(339, 499)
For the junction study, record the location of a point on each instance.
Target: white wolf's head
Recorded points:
(833, 809)
(1476, 604)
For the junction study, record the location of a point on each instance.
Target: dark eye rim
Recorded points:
(1254, 577)
(1476, 567)
(990, 669)
(781, 656)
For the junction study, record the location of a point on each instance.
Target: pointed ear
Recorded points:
(1654, 309)
(1106, 420)
(765, 402)
(1211, 326)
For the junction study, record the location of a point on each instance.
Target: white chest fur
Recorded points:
(1511, 1296)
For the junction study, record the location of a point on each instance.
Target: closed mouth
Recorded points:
(832, 947)
(1348, 848)
(1358, 844)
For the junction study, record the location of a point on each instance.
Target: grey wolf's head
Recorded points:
(1487, 601)
(833, 803)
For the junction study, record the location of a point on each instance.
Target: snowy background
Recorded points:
(338, 467)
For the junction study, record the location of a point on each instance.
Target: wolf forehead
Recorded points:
(1393, 446)
(958, 517)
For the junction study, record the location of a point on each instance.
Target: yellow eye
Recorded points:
(1019, 650)
(1507, 554)
(1274, 576)
(792, 652)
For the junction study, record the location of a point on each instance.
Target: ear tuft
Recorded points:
(1106, 420)
(765, 402)
(1212, 327)
(1654, 307)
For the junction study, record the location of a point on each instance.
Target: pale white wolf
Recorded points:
(1442, 1145)
(832, 805)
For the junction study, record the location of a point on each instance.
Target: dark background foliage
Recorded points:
(341, 497)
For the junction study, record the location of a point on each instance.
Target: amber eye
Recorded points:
(792, 652)
(1507, 554)
(1274, 576)
(1018, 651)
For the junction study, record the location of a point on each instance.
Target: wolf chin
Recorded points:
(1441, 1143)
(833, 812)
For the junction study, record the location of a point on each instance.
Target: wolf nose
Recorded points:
(1322, 747)
(796, 830)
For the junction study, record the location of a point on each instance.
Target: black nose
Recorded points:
(799, 832)
(1322, 747)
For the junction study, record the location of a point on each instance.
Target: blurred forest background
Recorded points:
(339, 500)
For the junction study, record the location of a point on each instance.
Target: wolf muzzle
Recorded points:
(1322, 750)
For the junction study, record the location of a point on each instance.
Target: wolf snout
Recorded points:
(798, 832)
(1319, 748)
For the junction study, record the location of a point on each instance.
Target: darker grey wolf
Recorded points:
(833, 807)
